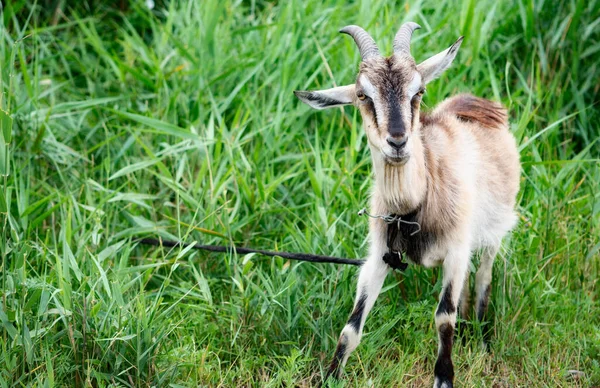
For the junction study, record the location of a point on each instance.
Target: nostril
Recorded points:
(396, 143)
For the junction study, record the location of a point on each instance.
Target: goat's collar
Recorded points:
(392, 218)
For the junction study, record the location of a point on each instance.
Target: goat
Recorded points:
(453, 172)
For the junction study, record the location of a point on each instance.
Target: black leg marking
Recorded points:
(444, 370)
(446, 306)
(357, 314)
(338, 358)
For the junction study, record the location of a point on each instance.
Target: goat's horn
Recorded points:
(366, 44)
(402, 39)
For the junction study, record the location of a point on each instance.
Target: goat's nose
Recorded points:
(396, 144)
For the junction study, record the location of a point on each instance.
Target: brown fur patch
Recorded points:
(485, 112)
(426, 118)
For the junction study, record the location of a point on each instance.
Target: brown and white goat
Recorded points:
(454, 171)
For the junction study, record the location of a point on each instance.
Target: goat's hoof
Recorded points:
(442, 383)
(328, 377)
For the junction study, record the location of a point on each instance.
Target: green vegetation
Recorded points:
(180, 122)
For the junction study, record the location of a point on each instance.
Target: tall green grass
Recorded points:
(180, 122)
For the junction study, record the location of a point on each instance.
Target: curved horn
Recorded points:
(366, 44)
(402, 39)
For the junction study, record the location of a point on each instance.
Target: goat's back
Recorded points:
(481, 154)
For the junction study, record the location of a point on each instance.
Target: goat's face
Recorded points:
(387, 92)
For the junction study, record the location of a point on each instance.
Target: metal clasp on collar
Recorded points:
(391, 218)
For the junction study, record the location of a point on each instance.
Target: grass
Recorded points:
(180, 122)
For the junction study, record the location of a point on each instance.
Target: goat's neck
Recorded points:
(400, 189)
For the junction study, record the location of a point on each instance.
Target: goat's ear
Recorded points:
(323, 99)
(433, 67)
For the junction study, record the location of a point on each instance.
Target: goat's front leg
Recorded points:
(370, 280)
(455, 270)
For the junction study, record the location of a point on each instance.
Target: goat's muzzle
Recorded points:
(397, 143)
(397, 152)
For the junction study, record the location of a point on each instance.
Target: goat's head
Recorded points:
(387, 91)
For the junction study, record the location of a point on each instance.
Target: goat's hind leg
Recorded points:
(464, 303)
(371, 277)
(483, 283)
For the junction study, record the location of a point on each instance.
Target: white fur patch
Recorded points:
(368, 87)
(414, 86)
(352, 338)
(445, 318)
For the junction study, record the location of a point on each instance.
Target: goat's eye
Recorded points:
(419, 94)
(361, 96)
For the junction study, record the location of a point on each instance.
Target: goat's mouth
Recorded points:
(396, 159)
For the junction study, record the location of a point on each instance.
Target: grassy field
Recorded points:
(180, 122)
